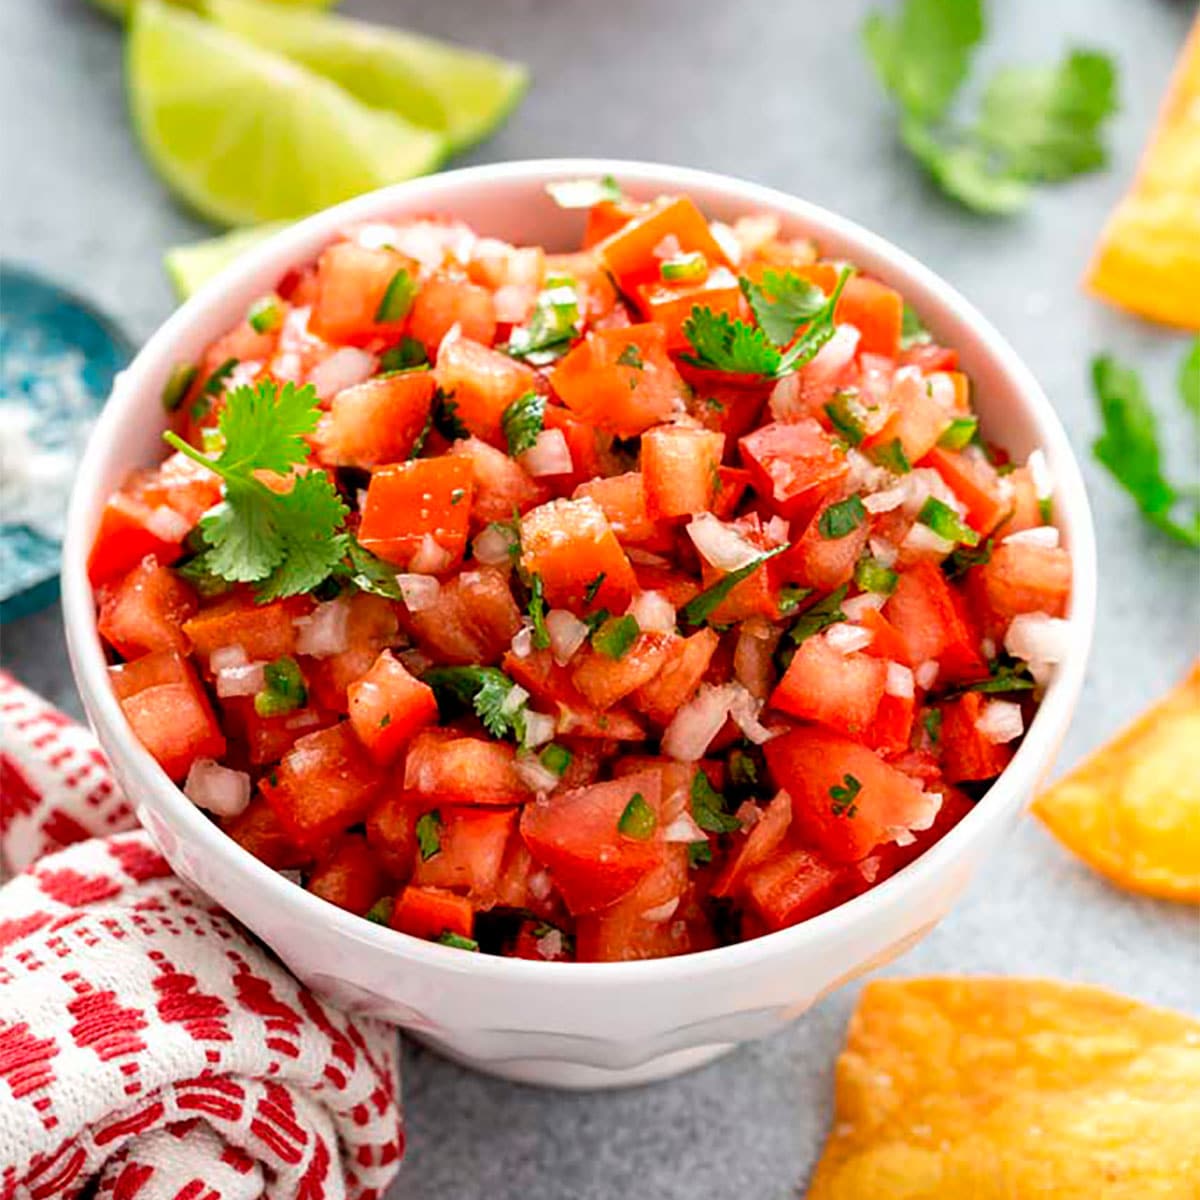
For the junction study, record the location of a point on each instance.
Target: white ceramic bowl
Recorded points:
(568, 1024)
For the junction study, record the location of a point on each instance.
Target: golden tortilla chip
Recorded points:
(1132, 810)
(1148, 259)
(1012, 1089)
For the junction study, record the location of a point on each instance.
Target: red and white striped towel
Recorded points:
(150, 1048)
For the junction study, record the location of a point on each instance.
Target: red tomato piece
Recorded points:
(839, 690)
(603, 680)
(501, 484)
(891, 730)
(819, 562)
(622, 499)
(793, 464)
(443, 303)
(917, 419)
(259, 832)
(471, 848)
(371, 624)
(463, 770)
(349, 875)
(965, 753)
(376, 422)
(581, 442)
(352, 281)
(481, 383)
(732, 483)
(629, 253)
(431, 913)
(975, 482)
(876, 311)
(268, 739)
(792, 886)
(410, 502)
(670, 304)
(678, 677)
(680, 469)
(127, 535)
(388, 707)
(752, 848)
(264, 631)
(473, 621)
(166, 706)
(931, 618)
(391, 828)
(1020, 578)
(145, 610)
(575, 835)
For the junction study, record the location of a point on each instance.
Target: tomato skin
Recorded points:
(620, 380)
(376, 422)
(680, 469)
(575, 835)
(391, 827)
(1019, 579)
(407, 502)
(932, 620)
(891, 729)
(167, 708)
(965, 753)
(793, 885)
(349, 875)
(351, 282)
(822, 563)
(145, 610)
(450, 769)
(443, 303)
(793, 464)
(431, 912)
(670, 304)
(472, 845)
(501, 484)
(473, 621)
(821, 684)
(975, 482)
(323, 784)
(388, 707)
(622, 499)
(808, 762)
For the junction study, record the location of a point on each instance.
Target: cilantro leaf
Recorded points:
(819, 616)
(552, 327)
(615, 637)
(487, 690)
(1129, 447)
(308, 519)
(697, 610)
(708, 806)
(537, 612)
(445, 416)
(429, 841)
(782, 303)
(369, 573)
(845, 797)
(264, 428)
(912, 329)
(522, 422)
(1011, 676)
(722, 344)
(964, 171)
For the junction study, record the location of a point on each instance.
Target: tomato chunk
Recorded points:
(349, 875)
(145, 611)
(470, 852)
(839, 690)
(629, 253)
(473, 621)
(931, 619)
(966, 753)
(263, 631)
(376, 422)
(388, 707)
(792, 886)
(129, 531)
(792, 464)
(463, 770)
(680, 469)
(443, 303)
(876, 311)
(1020, 578)
(352, 281)
(480, 383)
(431, 913)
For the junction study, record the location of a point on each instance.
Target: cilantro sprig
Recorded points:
(485, 689)
(522, 422)
(1129, 445)
(284, 542)
(1035, 124)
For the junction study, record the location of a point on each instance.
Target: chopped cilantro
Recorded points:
(820, 616)
(589, 595)
(709, 807)
(537, 612)
(512, 533)
(698, 610)
(214, 385)
(369, 573)
(743, 770)
(408, 354)
(522, 422)
(699, 853)
(552, 327)
(844, 797)
(284, 691)
(966, 557)
(457, 941)
(616, 636)
(791, 596)
(397, 298)
(891, 455)
(782, 303)
(456, 495)
(583, 193)
(912, 329)
(638, 820)
(946, 523)
(847, 415)
(932, 723)
(631, 356)
(180, 380)
(445, 417)
(959, 433)
(487, 690)
(429, 836)
(841, 519)
(1004, 677)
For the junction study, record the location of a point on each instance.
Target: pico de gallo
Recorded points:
(591, 606)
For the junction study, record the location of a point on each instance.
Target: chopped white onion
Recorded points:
(1039, 472)
(721, 545)
(539, 728)
(941, 390)
(744, 710)
(846, 638)
(900, 682)
(694, 726)
(522, 641)
(834, 355)
(922, 540)
(883, 551)
(668, 247)
(1039, 640)
(777, 531)
(858, 606)
(902, 835)
(926, 674)
(864, 475)
(431, 557)
(534, 775)
(217, 789)
(419, 591)
(661, 912)
(645, 558)
(1000, 721)
(342, 369)
(323, 632)
(727, 240)
(1040, 535)
(227, 656)
(786, 398)
(653, 612)
(305, 718)
(291, 875)
(683, 829)
(373, 235)
(549, 455)
(868, 868)
(550, 945)
(539, 885)
(567, 633)
(165, 523)
(491, 547)
(245, 680)
(755, 231)
(514, 302)
(517, 696)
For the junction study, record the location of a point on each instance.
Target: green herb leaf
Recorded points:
(445, 417)
(891, 455)
(512, 533)
(1189, 378)
(1129, 448)
(782, 303)
(397, 298)
(841, 519)
(537, 612)
(791, 596)
(946, 523)
(959, 433)
(844, 797)
(284, 691)
(964, 558)
(583, 193)
(631, 356)
(429, 834)
(638, 820)
(964, 170)
(551, 329)
(699, 853)
(820, 616)
(589, 595)
(457, 941)
(720, 343)
(616, 636)
(522, 422)
(369, 573)
(408, 354)
(932, 723)
(743, 770)
(1004, 677)
(709, 807)
(912, 329)
(697, 610)
(487, 690)
(381, 911)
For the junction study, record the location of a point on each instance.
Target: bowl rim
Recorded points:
(281, 251)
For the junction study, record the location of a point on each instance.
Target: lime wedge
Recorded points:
(245, 136)
(462, 93)
(122, 8)
(193, 264)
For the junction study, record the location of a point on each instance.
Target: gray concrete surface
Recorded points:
(780, 93)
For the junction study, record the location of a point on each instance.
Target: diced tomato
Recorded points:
(886, 641)
(391, 826)
(183, 485)
(764, 838)
(1020, 578)
(376, 422)
(470, 854)
(145, 611)
(606, 217)
(575, 835)
(931, 618)
(728, 405)
(965, 753)
(570, 544)
(349, 875)
(629, 253)
(680, 589)
(1024, 509)
(975, 482)
(622, 499)
(481, 383)
(473, 621)
(839, 690)
(670, 304)
(501, 484)
(463, 770)
(620, 380)
(876, 311)
(732, 483)
(352, 281)
(603, 680)
(259, 832)
(166, 706)
(324, 784)
(793, 465)
(443, 303)
(928, 357)
(820, 562)
(263, 631)
(371, 624)
(891, 730)
(431, 913)
(680, 469)
(872, 800)
(678, 676)
(916, 422)
(757, 595)
(388, 707)
(268, 739)
(410, 502)
(581, 442)
(127, 536)
(792, 886)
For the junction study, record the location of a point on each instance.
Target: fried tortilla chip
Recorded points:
(1132, 810)
(1148, 259)
(1012, 1089)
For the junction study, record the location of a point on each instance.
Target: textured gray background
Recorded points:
(775, 92)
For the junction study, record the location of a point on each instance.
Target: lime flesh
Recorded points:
(462, 93)
(245, 136)
(193, 264)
